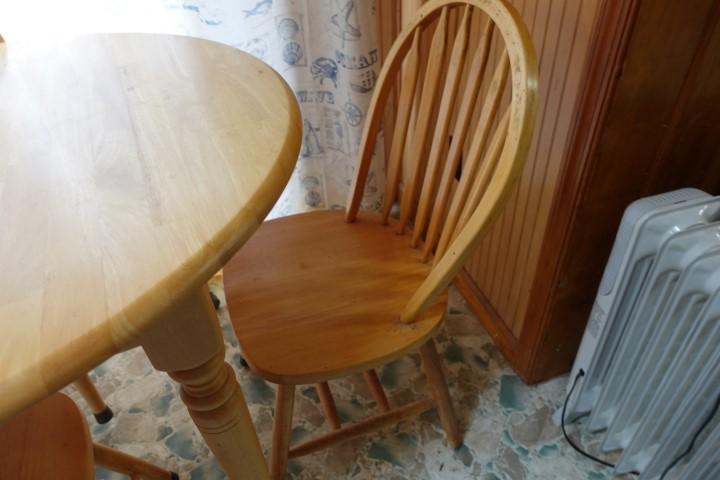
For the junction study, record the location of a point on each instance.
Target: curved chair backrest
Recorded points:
(449, 217)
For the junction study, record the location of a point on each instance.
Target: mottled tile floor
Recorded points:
(509, 434)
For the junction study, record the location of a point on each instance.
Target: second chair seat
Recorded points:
(313, 297)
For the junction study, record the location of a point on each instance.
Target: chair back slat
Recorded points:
(438, 148)
(477, 147)
(402, 121)
(466, 106)
(418, 156)
(487, 168)
(469, 138)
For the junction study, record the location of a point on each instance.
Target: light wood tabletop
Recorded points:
(132, 167)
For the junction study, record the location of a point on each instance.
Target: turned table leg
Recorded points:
(188, 345)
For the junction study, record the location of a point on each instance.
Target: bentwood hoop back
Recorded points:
(489, 170)
(313, 298)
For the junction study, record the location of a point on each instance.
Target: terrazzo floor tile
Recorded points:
(509, 434)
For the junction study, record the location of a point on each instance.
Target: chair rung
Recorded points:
(357, 429)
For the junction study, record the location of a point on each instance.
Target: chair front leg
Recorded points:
(438, 386)
(284, 403)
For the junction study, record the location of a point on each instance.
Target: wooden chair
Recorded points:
(52, 440)
(321, 295)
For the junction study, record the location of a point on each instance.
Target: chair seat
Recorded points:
(49, 440)
(312, 297)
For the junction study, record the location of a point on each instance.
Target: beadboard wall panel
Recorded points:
(505, 264)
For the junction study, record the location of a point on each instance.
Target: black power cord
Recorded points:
(695, 437)
(582, 452)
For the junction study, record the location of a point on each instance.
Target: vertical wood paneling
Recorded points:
(504, 266)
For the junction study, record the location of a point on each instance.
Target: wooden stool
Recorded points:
(51, 440)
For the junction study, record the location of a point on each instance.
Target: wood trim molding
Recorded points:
(613, 31)
(489, 318)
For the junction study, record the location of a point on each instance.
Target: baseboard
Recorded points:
(503, 337)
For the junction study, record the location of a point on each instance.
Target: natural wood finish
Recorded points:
(127, 464)
(489, 318)
(645, 60)
(133, 167)
(485, 173)
(657, 62)
(524, 79)
(477, 147)
(434, 374)
(505, 266)
(607, 56)
(388, 26)
(401, 124)
(513, 270)
(52, 440)
(418, 156)
(282, 427)
(442, 127)
(566, 30)
(90, 394)
(462, 126)
(305, 315)
(363, 296)
(140, 207)
(328, 404)
(188, 345)
(376, 390)
(49, 440)
(361, 428)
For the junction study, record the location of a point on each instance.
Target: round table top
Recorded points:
(132, 166)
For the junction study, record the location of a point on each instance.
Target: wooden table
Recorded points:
(132, 167)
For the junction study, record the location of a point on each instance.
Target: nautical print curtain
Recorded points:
(325, 49)
(327, 52)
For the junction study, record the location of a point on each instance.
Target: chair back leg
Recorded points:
(284, 404)
(438, 386)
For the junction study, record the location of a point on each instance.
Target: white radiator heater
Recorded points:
(648, 368)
